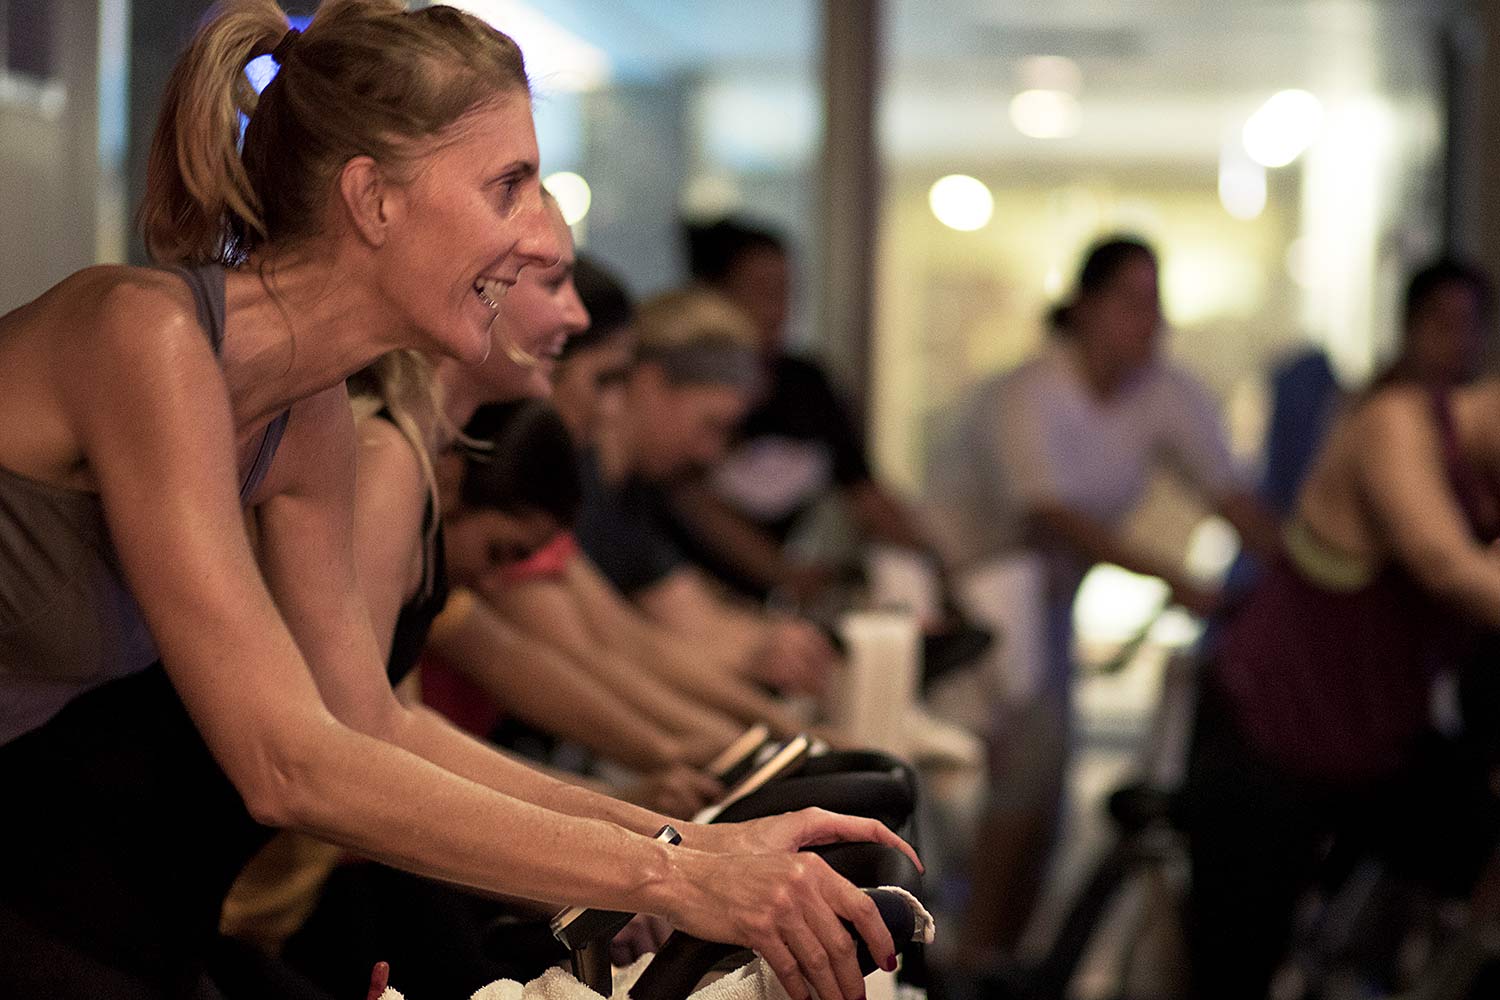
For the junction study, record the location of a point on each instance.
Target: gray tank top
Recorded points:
(68, 622)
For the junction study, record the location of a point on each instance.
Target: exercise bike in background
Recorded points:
(1371, 930)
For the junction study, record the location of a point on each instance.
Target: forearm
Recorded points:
(711, 684)
(705, 620)
(546, 689)
(743, 545)
(547, 612)
(1099, 543)
(538, 840)
(1468, 580)
(428, 735)
(678, 713)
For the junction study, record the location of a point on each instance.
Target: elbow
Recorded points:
(279, 787)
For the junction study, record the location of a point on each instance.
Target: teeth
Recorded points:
(490, 292)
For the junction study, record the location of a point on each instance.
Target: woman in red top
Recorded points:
(1319, 693)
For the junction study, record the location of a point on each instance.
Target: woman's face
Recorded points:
(680, 429)
(537, 316)
(1121, 322)
(463, 224)
(1445, 337)
(588, 390)
(480, 544)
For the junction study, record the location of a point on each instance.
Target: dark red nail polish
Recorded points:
(890, 963)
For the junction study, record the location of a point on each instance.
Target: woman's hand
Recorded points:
(788, 907)
(795, 657)
(793, 831)
(677, 791)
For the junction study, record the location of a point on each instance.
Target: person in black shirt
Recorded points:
(695, 371)
(798, 443)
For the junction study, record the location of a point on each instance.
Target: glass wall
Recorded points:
(1284, 158)
(1280, 219)
(657, 111)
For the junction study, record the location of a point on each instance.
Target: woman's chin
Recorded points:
(539, 381)
(470, 350)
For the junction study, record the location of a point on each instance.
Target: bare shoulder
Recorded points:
(114, 320)
(392, 486)
(1477, 412)
(387, 457)
(1395, 412)
(98, 340)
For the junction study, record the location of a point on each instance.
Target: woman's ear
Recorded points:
(369, 199)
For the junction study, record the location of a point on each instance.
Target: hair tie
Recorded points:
(283, 47)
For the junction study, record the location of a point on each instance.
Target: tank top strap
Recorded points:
(1469, 486)
(206, 282)
(263, 455)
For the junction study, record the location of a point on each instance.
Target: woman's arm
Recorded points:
(1097, 542)
(158, 444)
(691, 669)
(787, 653)
(151, 417)
(546, 611)
(1398, 465)
(538, 684)
(332, 554)
(751, 550)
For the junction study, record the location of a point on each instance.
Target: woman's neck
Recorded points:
(299, 324)
(1102, 378)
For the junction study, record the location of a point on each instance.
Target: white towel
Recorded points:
(754, 981)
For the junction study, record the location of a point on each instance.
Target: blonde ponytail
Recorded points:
(198, 196)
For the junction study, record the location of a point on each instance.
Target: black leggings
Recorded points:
(440, 941)
(121, 838)
(1259, 839)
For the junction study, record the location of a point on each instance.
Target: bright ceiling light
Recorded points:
(572, 193)
(1283, 128)
(1242, 189)
(1045, 114)
(961, 202)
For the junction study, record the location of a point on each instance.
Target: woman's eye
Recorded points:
(509, 196)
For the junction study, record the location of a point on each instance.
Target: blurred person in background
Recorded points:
(1032, 484)
(1314, 713)
(695, 371)
(1444, 325)
(572, 608)
(1445, 320)
(798, 445)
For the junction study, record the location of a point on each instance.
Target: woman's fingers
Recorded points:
(824, 827)
(380, 975)
(860, 910)
(809, 925)
(787, 969)
(840, 948)
(822, 959)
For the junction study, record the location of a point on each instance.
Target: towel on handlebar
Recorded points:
(755, 981)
